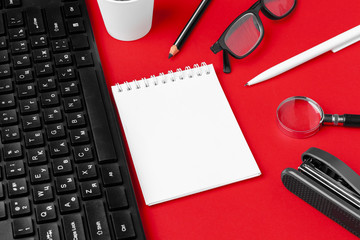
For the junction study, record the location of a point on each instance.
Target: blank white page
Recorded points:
(182, 134)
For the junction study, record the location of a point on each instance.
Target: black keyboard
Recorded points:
(63, 172)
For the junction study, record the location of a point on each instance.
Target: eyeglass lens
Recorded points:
(279, 7)
(244, 35)
(246, 32)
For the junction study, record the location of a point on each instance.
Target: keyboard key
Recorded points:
(14, 18)
(49, 99)
(41, 55)
(63, 59)
(39, 174)
(10, 134)
(97, 116)
(4, 56)
(55, 131)
(2, 25)
(46, 84)
(22, 227)
(5, 71)
(52, 115)
(26, 91)
(38, 41)
(61, 45)
(17, 187)
(36, 156)
(19, 47)
(83, 153)
(14, 169)
(35, 21)
(72, 104)
(68, 204)
(76, 25)
(97, 221)
(21, 61)
(73, 227)
(20, 207)
(122, 223)
(59, 148)
(69, 88)
(66, 74)
(110, 174)
(12, 151)
(7, 101)
(62, 166)
(86, 171)
(75, 120)
(2, 193)
(3, 42)
(90, 190)
(84, 59)
(24, 75)
(79, 136)
(45, 212)
(34, 139)
(17, 34)
(28, 106)
(12, 3)
(65, 184)
(6, 86)
(72, 10)
(55, 22)
(31, 122)
(79, 42)
(8, 117)
(43, 193)
(116, 198)
(49, 231)
(3, 214)
(44, 69)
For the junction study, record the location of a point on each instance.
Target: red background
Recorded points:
(259, 208)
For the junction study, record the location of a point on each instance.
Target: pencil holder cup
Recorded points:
(127, 20)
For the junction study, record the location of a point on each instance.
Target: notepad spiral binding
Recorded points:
(163, 78)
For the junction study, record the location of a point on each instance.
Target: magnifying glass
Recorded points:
(301, 117)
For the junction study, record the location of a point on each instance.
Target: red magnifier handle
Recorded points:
(347, 120)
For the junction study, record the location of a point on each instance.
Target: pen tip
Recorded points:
(170, 56)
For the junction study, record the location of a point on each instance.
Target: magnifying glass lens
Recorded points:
(299, 117)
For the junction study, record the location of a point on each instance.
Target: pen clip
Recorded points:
(346, 44)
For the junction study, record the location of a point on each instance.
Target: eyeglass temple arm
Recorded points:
(216, 47)
(226, 62)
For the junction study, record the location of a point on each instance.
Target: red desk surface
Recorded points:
(259, 208)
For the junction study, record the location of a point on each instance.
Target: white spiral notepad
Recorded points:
(182, 134)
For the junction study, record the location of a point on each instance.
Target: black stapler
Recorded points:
(329, 185)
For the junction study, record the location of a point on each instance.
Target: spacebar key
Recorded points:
(97, 115)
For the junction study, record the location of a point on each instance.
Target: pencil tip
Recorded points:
(170, 56)
(246, 84)
(173, 51)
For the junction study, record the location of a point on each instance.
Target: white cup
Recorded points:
(127, 20)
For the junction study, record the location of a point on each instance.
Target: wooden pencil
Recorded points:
(188, 28)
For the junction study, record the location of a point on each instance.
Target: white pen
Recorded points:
(334, 44)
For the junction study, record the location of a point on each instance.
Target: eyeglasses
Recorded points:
(245, 33)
